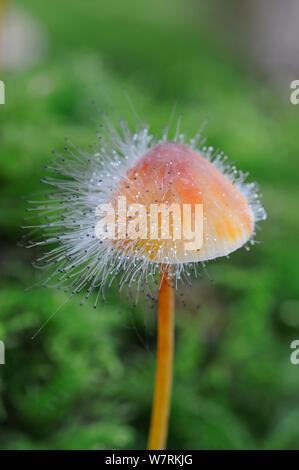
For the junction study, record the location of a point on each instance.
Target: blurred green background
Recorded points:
(86, 381)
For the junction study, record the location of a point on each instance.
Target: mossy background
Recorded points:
(86, 381)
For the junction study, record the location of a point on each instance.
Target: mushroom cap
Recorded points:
(172, 173)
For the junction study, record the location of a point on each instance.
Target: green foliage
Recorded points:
(86, 380)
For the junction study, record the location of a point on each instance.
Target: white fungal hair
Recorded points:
(80, 180)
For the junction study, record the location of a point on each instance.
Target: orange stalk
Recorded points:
(165, 350)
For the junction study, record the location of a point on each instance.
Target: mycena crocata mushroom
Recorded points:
(144, 170)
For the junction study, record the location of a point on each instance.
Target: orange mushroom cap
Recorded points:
(172, 173)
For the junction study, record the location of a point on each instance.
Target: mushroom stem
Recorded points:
(165, 349)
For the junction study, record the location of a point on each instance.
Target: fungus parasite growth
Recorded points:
(171, 174)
